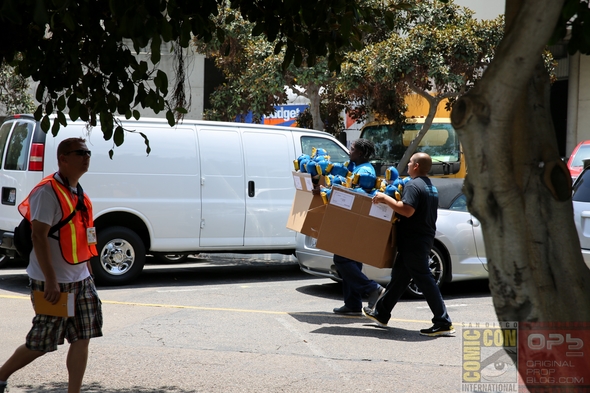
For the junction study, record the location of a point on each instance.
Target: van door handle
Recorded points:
(251, 191)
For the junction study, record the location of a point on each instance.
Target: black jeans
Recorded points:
(413, 264)
(354, 282)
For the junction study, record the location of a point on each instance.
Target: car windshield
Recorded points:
(582, 188)
(440, 142)
(582, 154)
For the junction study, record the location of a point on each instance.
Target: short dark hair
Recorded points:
(366, 147)
(66, 145)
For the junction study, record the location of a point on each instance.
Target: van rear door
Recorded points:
(223, 205)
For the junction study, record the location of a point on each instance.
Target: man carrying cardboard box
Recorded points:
(355, 283)
(415, 237)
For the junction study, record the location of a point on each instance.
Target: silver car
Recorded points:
(581, 204)
(458, 252)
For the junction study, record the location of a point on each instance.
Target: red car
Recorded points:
(576, 161)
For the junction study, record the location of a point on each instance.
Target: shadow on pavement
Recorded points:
(214, 271)
(340, 327)
(60, 387)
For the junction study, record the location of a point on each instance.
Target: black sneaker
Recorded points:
(375, 295)
(344, 310)
(438, 330)
(3, 388)
(370, 313)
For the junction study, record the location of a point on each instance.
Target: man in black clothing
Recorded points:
(415, 237)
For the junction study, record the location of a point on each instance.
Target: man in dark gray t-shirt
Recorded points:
(416, 228)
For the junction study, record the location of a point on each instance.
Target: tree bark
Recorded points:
(313, 93)
(517, 185)
(432, 106)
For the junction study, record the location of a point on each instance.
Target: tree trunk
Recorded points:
(313, 93)
(432, 106)
(517, 184)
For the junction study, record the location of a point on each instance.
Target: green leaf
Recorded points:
(170, 118)
(166, 30)
(74, 112)
(180, 109)
(68, 21)
(161, 81)
(106, 124)
(570, 8)
(111, 152)
(62, 118)
(119, 136)
(40, 15)
(55, 127)
(45, 124)
(39, 92)
(39, 112)
(278, 48)
(10, 13)
(258, 29)
(61, 103)
(156, 48)
(49, 108)
(148, 149)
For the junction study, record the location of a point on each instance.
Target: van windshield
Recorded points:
(336, 153)
(440, 142)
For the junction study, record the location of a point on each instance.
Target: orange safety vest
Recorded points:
(73, 239)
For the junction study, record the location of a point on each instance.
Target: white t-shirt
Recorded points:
(45, 208)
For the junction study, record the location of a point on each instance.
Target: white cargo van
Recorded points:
(204, 187)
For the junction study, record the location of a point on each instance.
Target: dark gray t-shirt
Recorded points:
(420, 228)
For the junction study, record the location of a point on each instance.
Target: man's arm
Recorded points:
(41, 248)
(397, 206)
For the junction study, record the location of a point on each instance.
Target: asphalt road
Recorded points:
(246, 325)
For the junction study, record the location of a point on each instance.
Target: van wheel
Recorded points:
(121, 256)
(437, 264)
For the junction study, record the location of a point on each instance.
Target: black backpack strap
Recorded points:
(80, 206)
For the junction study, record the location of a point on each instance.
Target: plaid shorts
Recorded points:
(48, 331)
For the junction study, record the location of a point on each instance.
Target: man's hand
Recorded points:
(380, 198)
(317, 189)
(52, 292)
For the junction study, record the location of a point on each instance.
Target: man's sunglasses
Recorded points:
(80, 152)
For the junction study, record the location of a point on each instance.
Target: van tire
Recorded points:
(121, 256)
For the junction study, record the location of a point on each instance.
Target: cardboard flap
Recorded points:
(302, 181)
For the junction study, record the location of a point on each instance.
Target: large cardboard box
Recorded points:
(355, 228)
(307, 211)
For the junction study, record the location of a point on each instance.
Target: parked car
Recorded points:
(581, 204)
(458, 253)
(575, 164)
